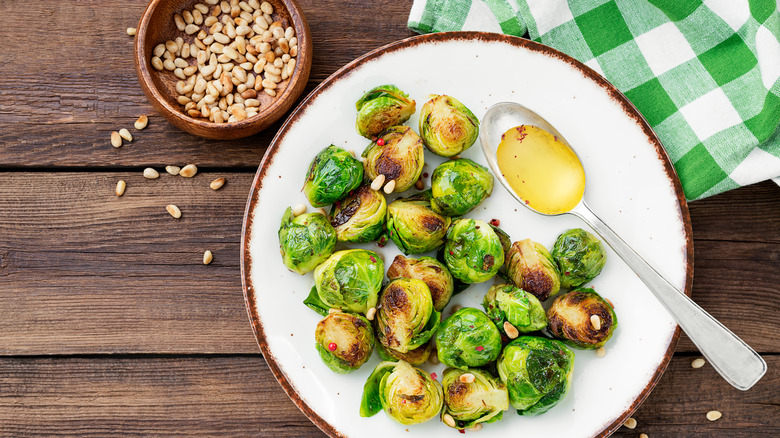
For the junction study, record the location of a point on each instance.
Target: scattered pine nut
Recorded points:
(456, 307)
(698, 362)
(466, 378)
(207, 256)
(601, 352)
(510, 330)
(448, 420)
(150, 173)
(433, 359)
(595, 321)
(173, 211)
(333, 310)
(299, 209)
(188, 171)
(643, 435)
(173, 170)
(120, 188)
(419, 184)
(217, 183)
(630, 423)
(389, 187)
(141, 122)
(124, 133)
(131, 31)
(116, 139)
(378, 182)
(714, 415)
(476, 427)
(371, 313)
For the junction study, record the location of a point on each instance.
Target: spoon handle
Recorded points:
(731, 357)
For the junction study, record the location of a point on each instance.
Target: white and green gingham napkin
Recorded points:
(704, 73)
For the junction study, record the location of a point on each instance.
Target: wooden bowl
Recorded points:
(157, 26)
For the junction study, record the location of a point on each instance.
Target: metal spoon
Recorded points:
(739, 364)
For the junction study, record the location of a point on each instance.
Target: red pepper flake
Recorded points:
(382, 242)
(495, 222)
(425, 174)
(452, 253)
(471, 326)
(380, 142)
(403, 401)
(526, 202)
(434, 376)
(480, 348)
(373, 260)
(332, 346)
(566, 273)
(461, 431)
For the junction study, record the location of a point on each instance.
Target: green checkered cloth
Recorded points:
(705, 74)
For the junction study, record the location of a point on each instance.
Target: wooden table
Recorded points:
(111, 324)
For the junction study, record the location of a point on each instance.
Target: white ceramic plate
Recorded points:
(630, 184)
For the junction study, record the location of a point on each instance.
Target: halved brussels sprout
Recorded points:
(573, 319)
(580, 257)
(413, 226)
(305, 241)
(507, 303)
(434, 274)
(482, 401)
(459, 186)
(447, 126)
(382, 107)
(398, 154)
(468, 338)
(537, 372)
(473, 252)
(332, 174)
(405, 318)
(418, 356)
(531, 268)
(350, 280)
(360, 217)
(345, 341)
(408, 395)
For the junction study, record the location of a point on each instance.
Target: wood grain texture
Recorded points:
(237, 396)
(60, 102)
(85, 272)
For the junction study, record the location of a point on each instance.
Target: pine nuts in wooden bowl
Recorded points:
(193, 61)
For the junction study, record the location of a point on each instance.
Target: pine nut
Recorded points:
(150, 173)
(131, 31)
(714, 415)
(189, 171)
(378, 182)
(630, 423)
(238, 113)
(141, 122)
(433, 359)
(180, 24)
(448, 420)
(266, 8)
(595, 321)
(601, 352)
(299, 209)
(510, 330)
(169, 65)
(120, 188)
(419, 185)
(252, 103)
(643, 435)
(116, 139)
(159, 50)
(207, 257)
(390, 186)
(476, 427)
(466, 378)
(197, 17)
(217, 183)
(173, 210)
(371, 314)
(289, 33)
(124, 133)
(698, 363)
(294, 51)
(191, 29)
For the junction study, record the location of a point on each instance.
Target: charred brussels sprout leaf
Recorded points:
(482, 401)
(305, 241)
(360, 217)
(537, 372)
(408, 395)
(314, 302)
(414, 227)
(405, 318)
(507, 303)
(345, 341)
(468, 338)
(418, 356)
(398, 154)
(580, 257)
(434, 274)
(459, 186)
(473, 251)
(447, 126)
(530, 267)
(382, 107)
(332, 174)
(573, 319)
(350, 280)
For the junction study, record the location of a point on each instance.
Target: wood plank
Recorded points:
(85, 272)
(238, 396)
(58, 110)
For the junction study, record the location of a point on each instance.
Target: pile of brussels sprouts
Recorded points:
(514, 352)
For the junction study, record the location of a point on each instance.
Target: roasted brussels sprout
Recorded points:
(458, 186)
(582, 319)
(482, 401)
(345, 341)
(350, 280)
(332, 174)
(468, 338)
(473, 251)
(408, 395)
(405, 318)
(360, 217)
(580, 257)
(398, 154)
(305, 241)
(447, 126)
(418, 356)
(434, 274)
(531, 268)
(507, 303)
(382, 107)
(537, 372)
(413, 226)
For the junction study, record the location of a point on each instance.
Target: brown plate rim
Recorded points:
(613, 92)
